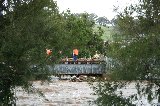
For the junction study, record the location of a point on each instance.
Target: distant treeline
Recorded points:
(102, 20)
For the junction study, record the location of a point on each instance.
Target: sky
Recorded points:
(99, 7)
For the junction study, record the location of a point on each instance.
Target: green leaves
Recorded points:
(27, 29)
(136, 49)
(107, 95)
(23, 45)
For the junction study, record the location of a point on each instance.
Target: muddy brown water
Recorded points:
(67, 93)
(58, 93)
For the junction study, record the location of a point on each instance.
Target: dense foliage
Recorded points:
(27, 28)
(136, 50)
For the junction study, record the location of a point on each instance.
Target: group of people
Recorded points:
(75, 53)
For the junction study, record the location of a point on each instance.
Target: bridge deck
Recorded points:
(80, 67)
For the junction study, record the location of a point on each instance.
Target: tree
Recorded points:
(93, 16)
(23, 35)
(113, 21)
(102, 21)
(27, 29)
(77, 30)
(137, 53)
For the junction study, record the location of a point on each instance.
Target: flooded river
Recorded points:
(67, 93)
(58, 93)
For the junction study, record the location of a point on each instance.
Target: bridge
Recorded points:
(95, 67)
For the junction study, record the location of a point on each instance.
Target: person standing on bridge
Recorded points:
(49, 55)
(48, 52)
(75, 54)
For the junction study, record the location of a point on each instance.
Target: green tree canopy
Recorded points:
(27, 28)
(136, 50)
(22, 38)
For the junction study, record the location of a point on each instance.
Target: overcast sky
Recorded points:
(99, 7)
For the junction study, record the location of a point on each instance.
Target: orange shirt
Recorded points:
(75, 51)
(48, 52)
